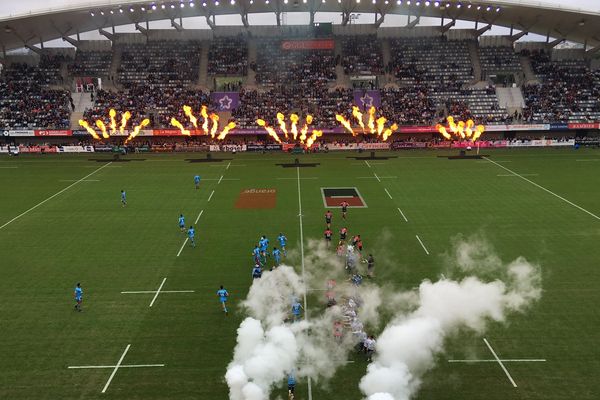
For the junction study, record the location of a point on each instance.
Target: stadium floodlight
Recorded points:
(131, 9)
(418, 3)
(374, 1)
(408, 2)
(101, 12)
(172, 5)
(497, 9)
(323, 1)
(232, 2)
(488, 8)
(163, 6)
(266, 1)
(478, 7)
(427, 3)
(182, 4)
(92, 13)
(192, 4)
(469, 5)
(112, 11)
(399, 2)
(386, 2)
(217, 3)
(436, 4)
(458, 5)
(204, 4)
(285, 1)
(121, 10)
(153, 6)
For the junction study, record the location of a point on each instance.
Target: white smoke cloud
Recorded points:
(407, 347)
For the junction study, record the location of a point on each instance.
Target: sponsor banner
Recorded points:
(585, 141)
(19, 133)
(533, 127)
(408, 145)
(75, 149)
(559, 127)
(227, 101)
(366, 99)
(54, 132)
(316, 44)
(266, 147)
(374, 146)
(495, 128)
(37, 149)
(103, 148)
(417, 129)
(587, 125)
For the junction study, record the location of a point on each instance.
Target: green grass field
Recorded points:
(83, 234)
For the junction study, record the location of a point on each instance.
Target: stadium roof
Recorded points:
(553, 21)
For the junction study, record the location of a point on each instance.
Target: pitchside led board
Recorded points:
(333, 197)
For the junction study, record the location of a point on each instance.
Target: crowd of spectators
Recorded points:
(568, 91)
(90, 63)
(160, 63)
(408, 105)
(362, 55)
(26, 102)
(228, 57)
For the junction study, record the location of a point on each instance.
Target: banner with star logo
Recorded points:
(225, 101)
(366, 99)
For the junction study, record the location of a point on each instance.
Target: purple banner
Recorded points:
(225, 101)
(366, 99)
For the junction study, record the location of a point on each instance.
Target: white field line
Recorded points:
(198, 218)
(378, 180)
(228, 165)
(517, 175)
(225, 179)
(500, 362)
(220, 179)
(591, 159)
(154, 291)
(368, 165)
(182, 246)
(309, 177)
(74, 180)
(388, 193)
(157, 292)
(422, 245)
(8, 167)
(494, 360)
(55, 194)
(302, 261)
(373, 177)
(112, 366)
(211, 195)
(112, 375)
(544, 189)
(403, 216)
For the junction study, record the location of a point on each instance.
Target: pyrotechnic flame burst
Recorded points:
(461, 130)
(304, 138)
(208, 118)
(375, 126)
(112, 114)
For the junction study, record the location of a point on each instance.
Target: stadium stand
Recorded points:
(361, 55)
(27, 102)
(160, 63)
(499, 59)
(228, 57)
(91, 63)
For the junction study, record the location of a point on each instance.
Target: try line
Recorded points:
(55, 194)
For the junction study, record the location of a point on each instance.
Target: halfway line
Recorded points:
(211, 195)
(228, 165)
(403, 216)
(494, 360)
(388, 193)
(422, 245)
(199, 215)
(220, 179)
(182, 246)
(500, 362)
(544, 189)
(55, 194)
(368, 165)
(116, 368)
(157, 292)
(112, 366)
(378, 180)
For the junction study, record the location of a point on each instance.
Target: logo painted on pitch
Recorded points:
(333, 197)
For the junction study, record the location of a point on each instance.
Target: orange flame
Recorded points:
(226, 130)
(461, 130)
(294, 118)
(380, 125)
(88, 128)
(371, 123)
(270, 131)
(178, 124)
(113, 122)
(345, 123)
(215, 126)
(124, 118)
(358, 115)
(188, 113)
(313, 137)
(136, 130)
(102, 128)
(204, 115)
(281, 120)
(388, 132)
(442, 129)
(304, 130)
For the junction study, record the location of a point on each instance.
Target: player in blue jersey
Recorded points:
(78, 296)
(291, 380)
(296, 310)
(181, 222)
(223, 295)
(276, 256)
(282, 242)
(197, 181)
(256, 272)
(256, 255)
(123, 198)
(191, 235)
